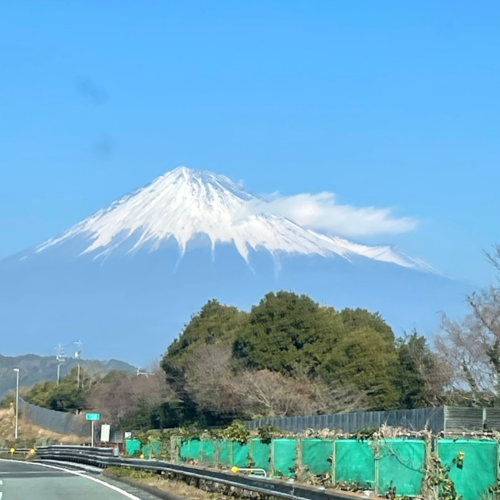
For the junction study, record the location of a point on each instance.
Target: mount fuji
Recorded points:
(126, 279)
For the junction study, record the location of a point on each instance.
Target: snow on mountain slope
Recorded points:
(184, 203)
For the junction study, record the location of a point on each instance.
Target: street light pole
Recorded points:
(17, 402)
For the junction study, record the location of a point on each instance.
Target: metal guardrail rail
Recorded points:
(16, 450)
(105, 457)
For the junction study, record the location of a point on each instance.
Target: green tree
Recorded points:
(66, 397)
(422, 374)
(287, 332)
(40, 393)
(214, 324)
(364, 357)
(354, 319)
(278, 330)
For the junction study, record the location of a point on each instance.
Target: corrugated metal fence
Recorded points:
(56, 421)
(446, 418)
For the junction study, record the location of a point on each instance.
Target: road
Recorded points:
(29, 481)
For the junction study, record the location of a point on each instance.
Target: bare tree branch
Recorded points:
(215, 384)
(472, 345)
(126, 393)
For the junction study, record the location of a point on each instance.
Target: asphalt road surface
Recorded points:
(29, 481)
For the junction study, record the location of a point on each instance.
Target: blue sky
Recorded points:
(387, 104)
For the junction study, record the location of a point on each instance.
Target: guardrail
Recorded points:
(105, 457)
(83, 454)
(16, 450)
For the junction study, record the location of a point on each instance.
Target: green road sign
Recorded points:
(93, 416)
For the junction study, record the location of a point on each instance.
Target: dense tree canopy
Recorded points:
(361, 318)
(350, 354)
(215, 323)
(66, 396)
(279, 332)
(365, 358)
(287, 332)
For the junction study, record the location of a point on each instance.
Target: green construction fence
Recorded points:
(480, 466)
(397, 464)
(400, 465)
(353, 463)
(132, 446)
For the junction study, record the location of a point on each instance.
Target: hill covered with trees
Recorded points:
(36, 369)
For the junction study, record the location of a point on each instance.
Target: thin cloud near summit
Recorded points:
(321, 213)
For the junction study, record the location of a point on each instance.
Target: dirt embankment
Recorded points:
(29, 435)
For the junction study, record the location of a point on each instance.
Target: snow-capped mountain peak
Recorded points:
(185, 203)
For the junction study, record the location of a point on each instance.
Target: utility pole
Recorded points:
(17, 403)
(78, 355)
(60, 360)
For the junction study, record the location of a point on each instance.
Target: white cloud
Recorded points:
(322, 213)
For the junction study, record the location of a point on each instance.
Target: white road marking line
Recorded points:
(1, 495)
(76, 473)
(1, 482)
(30, 472)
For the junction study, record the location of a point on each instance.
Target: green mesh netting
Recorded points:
(317, 455)
(223, 453)
(241, 454)
(194, 449)
(400, 464)
(354, 463)
(152, 449)
(184, 451)
(261, 454)
(208, 454)
(479, 470)
(284, 455)
(190, 450)
(132, 446)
